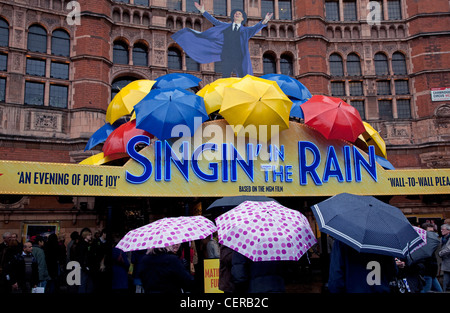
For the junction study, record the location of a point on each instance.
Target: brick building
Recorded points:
(59, 71)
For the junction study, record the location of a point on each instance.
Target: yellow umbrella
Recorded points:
(254, 101)
(213, 93)
(372, 137)
(100, 158)
(123, 103)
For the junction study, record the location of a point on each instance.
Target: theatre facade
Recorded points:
(61, 64)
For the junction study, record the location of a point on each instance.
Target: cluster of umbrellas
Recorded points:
(265, 230)
(154, 107)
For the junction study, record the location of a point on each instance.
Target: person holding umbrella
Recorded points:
(162, 271)
(444, 253)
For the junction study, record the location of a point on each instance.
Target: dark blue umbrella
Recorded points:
(99, 136)
(176, 80)
(162, 109)
(384, 163)
(290, 86)
(296, 110)
(366, 224)
(227, 203)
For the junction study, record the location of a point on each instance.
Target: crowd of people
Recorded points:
(40, 265)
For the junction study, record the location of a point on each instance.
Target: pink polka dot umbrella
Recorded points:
(265, 231)
(167, 232)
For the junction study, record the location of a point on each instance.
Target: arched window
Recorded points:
(336, 65)
(174, 59)
(4, 33)
(60, 43)
(353, 65)
(399, 64)
(286, 66)
(119, 83)
(140, 55)
(269, 65)
(37, 39)
(381, 64)
(120, 53)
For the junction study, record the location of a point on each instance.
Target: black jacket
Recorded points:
(16, 271)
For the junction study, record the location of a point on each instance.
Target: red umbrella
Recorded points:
(117, 141)
(333, 118)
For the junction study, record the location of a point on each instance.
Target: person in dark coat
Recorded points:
(350, 271)
(23, 270)
(225, 264)
(162, 271)
(120, 266)
(257, 277)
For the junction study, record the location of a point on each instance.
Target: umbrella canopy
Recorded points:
(100, 158)
(253, 101)
(177, 80)
(423, 234)
(333, 118)
(162, 109)
(384, 163)
(227, 203)
(99, 136)
(118, 140)
(265, 231)
(366, 224)
(213, 93)
(124, 101)
(296, 110)
(372, 137)
(290, 86)
(427, 250)
(167, 232)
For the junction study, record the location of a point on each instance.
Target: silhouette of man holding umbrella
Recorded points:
(226, 42)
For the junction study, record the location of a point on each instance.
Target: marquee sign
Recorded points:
(213, 163)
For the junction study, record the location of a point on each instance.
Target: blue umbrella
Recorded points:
(162, 109)
(99, 136)
(296, 110)
(290, 86)
(384, 163)
(176, 80)
(366, 224)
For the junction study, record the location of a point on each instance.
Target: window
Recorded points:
(218, 67)
(401, 87)
(336, 66)
(403, 108)
(140, 55)
(120, 53)
(353, 65)
(34, 93)
(174, 4)
(35, 67)
(381, 64)
(284, 10)
(192, 65)
(60, 43)
(190, 7)
(385, 109)
(141, 2)
(359, 105)
(267, 6)
(4, 33)
(337, 89)
(398, 64)
(394, 10)
(58, 96)
(237, 4)
(220, 7)
(269, 65)
(384, 87)
(2, 89)
(59, 70)
(332, 10)
(37, 39)
(119, 83)
(174, 59)
(3, 62)
(356, 88)
(376, 11)
(350, 11)
(286, 66)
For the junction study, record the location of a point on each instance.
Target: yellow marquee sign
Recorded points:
(299, 163)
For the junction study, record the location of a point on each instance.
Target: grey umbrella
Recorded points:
(427, 250)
